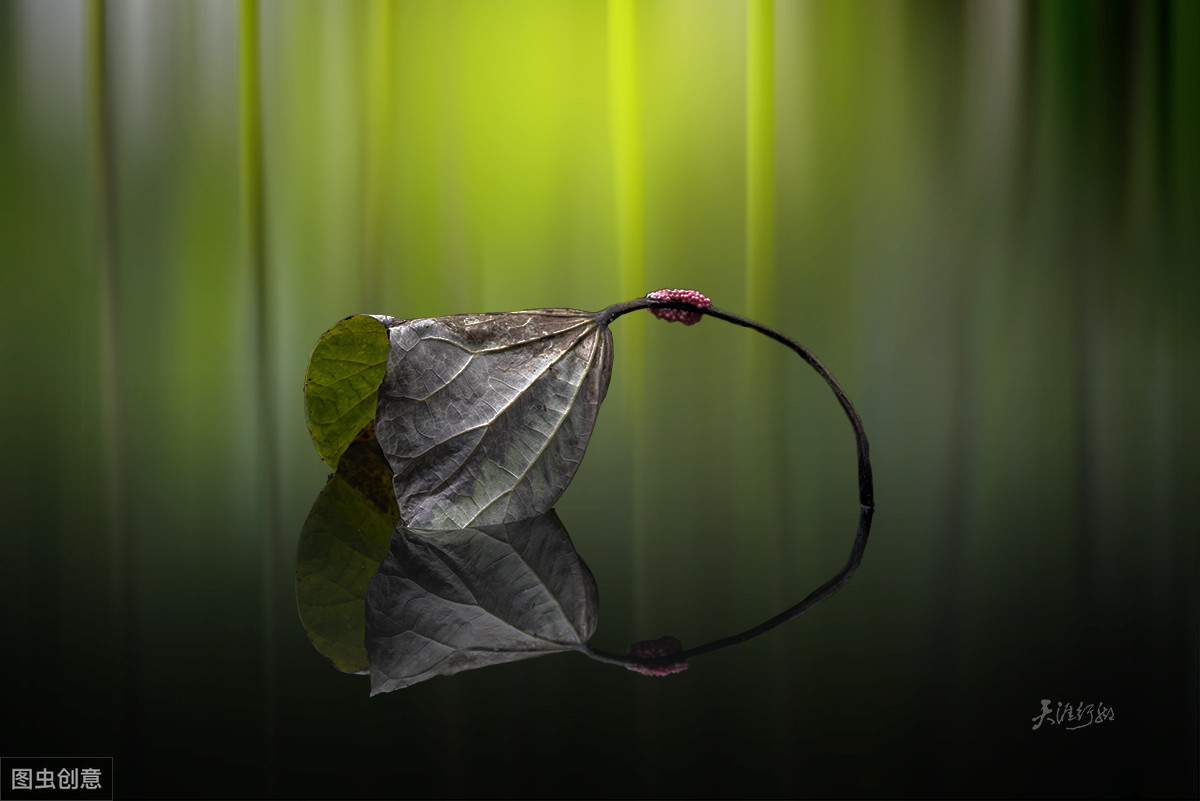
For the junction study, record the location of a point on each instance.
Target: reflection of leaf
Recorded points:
(485, 417)
(342, 543)
(448, 601)
(343, 379)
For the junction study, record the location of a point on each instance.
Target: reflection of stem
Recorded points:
(866, 490)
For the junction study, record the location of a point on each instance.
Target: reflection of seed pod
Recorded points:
(656, 649)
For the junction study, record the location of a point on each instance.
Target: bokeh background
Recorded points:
(983, 217)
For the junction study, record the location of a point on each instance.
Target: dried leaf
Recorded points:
(485, 417)
(447, 601)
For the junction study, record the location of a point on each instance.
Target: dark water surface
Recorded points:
(981, 217)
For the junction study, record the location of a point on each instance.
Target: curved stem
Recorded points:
(606, 316)
(866, 489)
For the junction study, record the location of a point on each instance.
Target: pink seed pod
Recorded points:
(682, 296)
(653, 649)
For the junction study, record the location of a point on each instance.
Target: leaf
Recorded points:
(485, 417)
(447, 601)
(341, 545)
(342, 382)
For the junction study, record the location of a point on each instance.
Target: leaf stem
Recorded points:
(866, 489)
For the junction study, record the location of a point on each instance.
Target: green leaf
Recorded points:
(341, 545)
(484, 418)
(342, 382)
(447, 601)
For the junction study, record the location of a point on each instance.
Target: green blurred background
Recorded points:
(983, 217)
